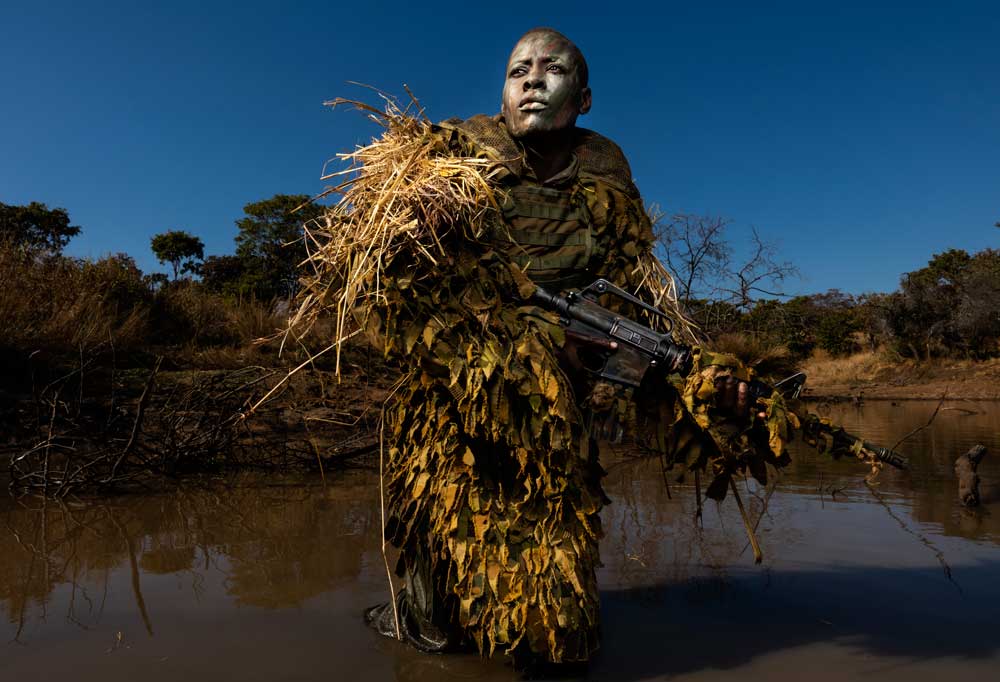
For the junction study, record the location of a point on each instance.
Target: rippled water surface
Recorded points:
(256, 578)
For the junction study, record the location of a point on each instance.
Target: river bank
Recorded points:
(875, 376)
(103, 427)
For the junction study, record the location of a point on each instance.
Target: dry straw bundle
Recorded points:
(399, 197)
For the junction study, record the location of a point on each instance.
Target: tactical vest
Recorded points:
(548, 230)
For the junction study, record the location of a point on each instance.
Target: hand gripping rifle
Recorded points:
(630, 349)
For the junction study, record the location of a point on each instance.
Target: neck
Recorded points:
(548, 153)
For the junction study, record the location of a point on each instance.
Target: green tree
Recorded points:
(790, 323)
(225, 275)
(178, 248)
(976, 319)
(270, 242)
(833, 318)
(121, 283)
(951, 306)
(36, 227)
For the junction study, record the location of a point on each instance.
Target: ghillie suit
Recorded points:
(492, 479)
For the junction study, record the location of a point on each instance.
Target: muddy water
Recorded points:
(264, 579)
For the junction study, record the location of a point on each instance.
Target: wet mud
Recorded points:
(264, 578)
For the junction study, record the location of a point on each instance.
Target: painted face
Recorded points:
(542, 92)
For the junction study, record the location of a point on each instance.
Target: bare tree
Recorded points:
(700, 257)
(695, 250)
(761, 274)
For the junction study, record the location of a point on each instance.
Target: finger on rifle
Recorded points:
(725, 397)
(742, 395)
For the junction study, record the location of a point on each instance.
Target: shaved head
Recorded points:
(582, 72)
(546, 85)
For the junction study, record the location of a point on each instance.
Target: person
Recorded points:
(493, 479)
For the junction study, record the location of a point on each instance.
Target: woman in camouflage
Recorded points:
(493, 483)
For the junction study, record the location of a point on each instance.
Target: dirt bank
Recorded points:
(100, 427)
(876, 376)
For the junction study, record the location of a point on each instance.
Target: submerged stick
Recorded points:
(930, 421)
(758, 555)
(697, 494)
(763, 511)
(381, 496)
(663, 470)
(134, 566)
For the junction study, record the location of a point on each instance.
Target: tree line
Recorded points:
(269, 248)
(57, 303)
(268, 245)
(950, 307)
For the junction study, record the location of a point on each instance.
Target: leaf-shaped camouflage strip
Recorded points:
(494, 498)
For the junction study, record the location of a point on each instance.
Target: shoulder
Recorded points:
(600, 159)
(603, 160)
(487, 134)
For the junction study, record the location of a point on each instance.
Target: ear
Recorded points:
(585, 100)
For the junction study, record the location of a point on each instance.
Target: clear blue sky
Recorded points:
(861, 138)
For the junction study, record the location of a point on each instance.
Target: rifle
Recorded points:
(630, 349)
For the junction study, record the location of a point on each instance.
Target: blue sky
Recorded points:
(861, 138)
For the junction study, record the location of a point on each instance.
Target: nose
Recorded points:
(535, 80)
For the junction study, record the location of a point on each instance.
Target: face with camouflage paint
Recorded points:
(543, 91)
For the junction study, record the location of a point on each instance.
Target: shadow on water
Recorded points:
(897, 617)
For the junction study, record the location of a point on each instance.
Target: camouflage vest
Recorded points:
(547, 228)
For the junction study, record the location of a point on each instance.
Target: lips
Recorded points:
(532, 105)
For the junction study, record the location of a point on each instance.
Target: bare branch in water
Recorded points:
(930, 421)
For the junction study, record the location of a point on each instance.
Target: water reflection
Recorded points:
(273, 545)
(268, 577)
(930, 487)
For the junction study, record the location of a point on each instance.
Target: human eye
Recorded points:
(556, 68)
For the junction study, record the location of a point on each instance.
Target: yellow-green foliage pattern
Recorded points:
(489, 465)
(490, 472)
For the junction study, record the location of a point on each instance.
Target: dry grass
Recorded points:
(883, 374)
(54, 303)
(65, 306)
(769, 359)
(191, 315)
(857, 369)
(657, 287)
(404, 194)
(399, 195)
